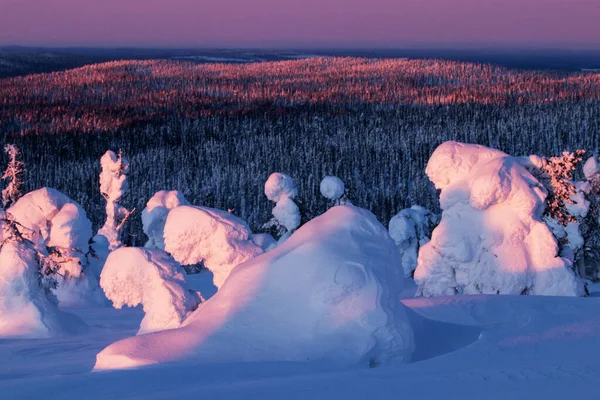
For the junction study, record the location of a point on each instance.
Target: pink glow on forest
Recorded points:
(382, 23)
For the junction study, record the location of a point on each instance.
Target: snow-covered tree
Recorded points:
(333, 189)
(14, 175)
(491, 238)
(411, 228)
(281, 189)
(150, 277)
(113, 186)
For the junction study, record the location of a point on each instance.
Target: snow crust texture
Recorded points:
(152, 278)
(215, 238)
(329, 293)
(491, 238)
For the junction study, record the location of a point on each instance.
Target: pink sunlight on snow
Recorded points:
(380, 23)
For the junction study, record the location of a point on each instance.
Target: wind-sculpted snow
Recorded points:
(329, 293)
(491, 238)
(215, 238)
(155, 214)
(150, 277)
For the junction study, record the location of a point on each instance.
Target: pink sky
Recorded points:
(380, 23)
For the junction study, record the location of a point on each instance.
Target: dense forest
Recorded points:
(216, 131)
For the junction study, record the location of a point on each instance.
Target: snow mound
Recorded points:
(150, 277)
(264, 241)
(491, 238)
(329, 293)
(411, 228)
(279, 186)
(213, 237)
(332, 187)
(25, 310)
(154, 215)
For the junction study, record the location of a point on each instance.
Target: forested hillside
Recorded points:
(216, 131)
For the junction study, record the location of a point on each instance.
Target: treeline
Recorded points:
(215, 132)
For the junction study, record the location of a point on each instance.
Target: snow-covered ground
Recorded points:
(467, 347)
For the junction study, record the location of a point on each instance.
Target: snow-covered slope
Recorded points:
(491, 238)
(329, 293)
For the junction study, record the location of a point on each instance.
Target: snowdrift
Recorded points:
(133, 276)
(213, 237)
(329, 293)
(491, 238)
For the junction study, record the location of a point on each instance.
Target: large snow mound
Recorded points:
(25, 310)
(213, 237)
(133, 276)
(329, 293)
(491, 238)
(155, 214)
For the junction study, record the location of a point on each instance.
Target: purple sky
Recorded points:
(264, 23)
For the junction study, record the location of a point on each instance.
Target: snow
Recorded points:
(411, 229)
(329, 294)
(113, 186)
(25, 310)
(281, 189)
(591, 168)
(216, 238)
(51, 220)
(474, 347)
(491, 238)
(152, 278)
(264, 241)
(280, 186)
(155, 214)
(332, 187)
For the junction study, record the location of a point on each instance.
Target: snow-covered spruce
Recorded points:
(152, 278)
(333, 189)
(215, 238)
(26, 308)
(329, 293)
(281, 189)
(113, 186)
(155, 214)
(411, 228)
(60, 231)
(491, 238)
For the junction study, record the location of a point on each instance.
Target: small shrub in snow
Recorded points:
(113, 186)
(150, 277)
(215, 238)
(281, 189)
(491, 238)
(411, 228)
